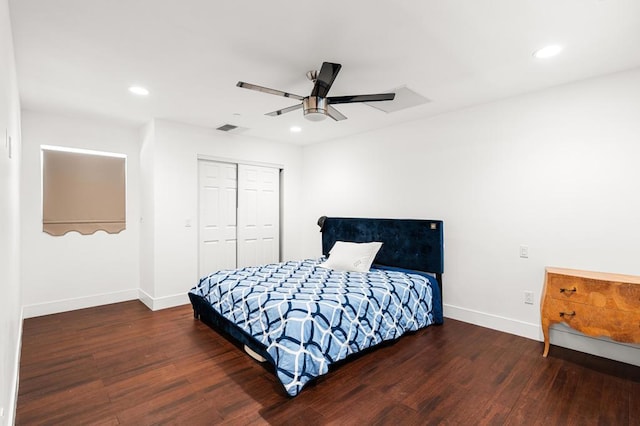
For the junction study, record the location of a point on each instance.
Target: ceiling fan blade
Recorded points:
(284, 110)
(361, 98)
(325, 79)
(267, 90)
(335, 114)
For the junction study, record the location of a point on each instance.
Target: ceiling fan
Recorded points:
(317, 106)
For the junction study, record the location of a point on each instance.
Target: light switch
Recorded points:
(524, 251)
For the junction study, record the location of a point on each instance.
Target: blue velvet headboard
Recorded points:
(407, 243)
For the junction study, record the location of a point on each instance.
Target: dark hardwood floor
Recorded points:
(123, 364)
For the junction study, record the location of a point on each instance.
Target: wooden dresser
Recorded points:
(594, 303)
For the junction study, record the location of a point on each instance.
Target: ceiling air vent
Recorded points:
(230, 128)
(405, 98)
(227, 127)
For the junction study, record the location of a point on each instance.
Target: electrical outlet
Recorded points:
(524, 251)
(528, 297)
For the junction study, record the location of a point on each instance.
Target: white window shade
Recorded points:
(83, 192)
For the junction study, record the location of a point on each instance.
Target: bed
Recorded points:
(302, 317)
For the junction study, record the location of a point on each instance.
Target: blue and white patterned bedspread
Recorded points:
(309, 317)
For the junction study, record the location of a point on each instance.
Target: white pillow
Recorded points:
(351, 257)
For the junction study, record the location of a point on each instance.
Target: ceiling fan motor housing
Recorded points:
(315, 108)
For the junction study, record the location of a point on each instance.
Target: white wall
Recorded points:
(10, 304)
(76, 271)
(175, 149)
(555, 170)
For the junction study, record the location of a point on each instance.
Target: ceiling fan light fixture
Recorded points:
(315, 108)
(314, 115)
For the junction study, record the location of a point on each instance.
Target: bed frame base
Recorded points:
(203, 311)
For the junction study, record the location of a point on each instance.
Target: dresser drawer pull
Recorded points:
(568, 290)
(568, 314)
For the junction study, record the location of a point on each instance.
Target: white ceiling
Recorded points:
(80, 56)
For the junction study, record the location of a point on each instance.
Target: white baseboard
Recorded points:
(494, 322)
(64, 305)
(57, 306)
(145, 298)
(560, 335)
(164, 302)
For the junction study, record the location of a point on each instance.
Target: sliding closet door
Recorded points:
(217, 216)
(258, 215)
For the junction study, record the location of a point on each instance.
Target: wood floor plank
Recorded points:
(124, 364)
(78, 404)
(614, 403)
(634, 401)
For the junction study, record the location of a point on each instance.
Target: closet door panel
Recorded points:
(258, 215)
(217, 230)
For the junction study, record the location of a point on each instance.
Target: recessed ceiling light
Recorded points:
(138, 90)
(295, 129)
(547, 51)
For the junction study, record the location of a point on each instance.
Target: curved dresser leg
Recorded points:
(545, 332)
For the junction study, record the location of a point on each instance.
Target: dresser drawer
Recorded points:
(594, 292)
(622, 326)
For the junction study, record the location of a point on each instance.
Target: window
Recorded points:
(83, 191)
